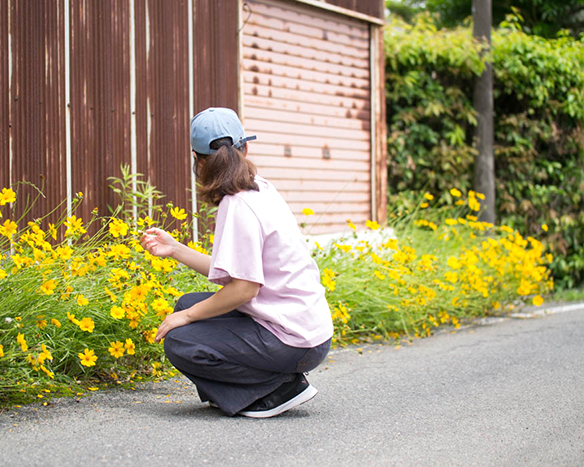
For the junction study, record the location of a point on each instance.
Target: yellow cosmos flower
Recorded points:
(453, 263)
(72, 318)
(116, 349)
(7, 196)
(379, 275)
(373, 225)
(130, 347)
(351, 225)
(48, 287)
(345, 248)
(455, 192)
(424, 205)
(538, 300)
(74, 226)
(117, 312)
(1, 351)
(8, 229)
(146, 221)
(52, 231)
(3, 274)
(451, 222)
(545, 228)
(87, 358)
(22, 341)
(119, 252)
(150, 335)
(118, 228)
(308, 212)
(56, 322)
(474, 204)
(87, 324)
(41, 322)
(178, 213)
(82, 301)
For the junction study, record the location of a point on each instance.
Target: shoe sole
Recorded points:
(301, 398)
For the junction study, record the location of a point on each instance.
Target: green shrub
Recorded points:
(539, 136)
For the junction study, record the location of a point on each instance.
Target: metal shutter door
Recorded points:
(306, 94)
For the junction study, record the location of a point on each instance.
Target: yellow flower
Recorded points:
(82, 301)
(480, 195)
(7, 196)
(22, 341)
(428, 196)
(119, 252)
(351, 225)
(117, 312)
(453, 263)
(345, 248)
(1, 351)
(538, 300)
(56, 322)
(379, 275)
(73, 319)
(118, 227)
(116, 349)
(424, 205)
(41, 322)
(111, 295)
(178, 213)
(146, 221)
(456, 193)
(545, 228)
(450, 222)
(87, 358)
(74, 226)
(49, 373)
(150, 335)
(8, 229)
(3, 274)
(87, 324)
(49, 286)
(308, 212)
(52, 231)
(130, 347)
(373, 225)
(474, 204)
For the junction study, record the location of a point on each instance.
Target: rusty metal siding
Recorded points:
(100, 118)
(4, 97)
(373, 8)
(35, 110)
(215, 48)
(306, 85)
(168, 99)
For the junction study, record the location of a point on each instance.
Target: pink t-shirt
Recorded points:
(257, 239)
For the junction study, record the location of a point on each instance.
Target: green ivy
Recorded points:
(539, 120)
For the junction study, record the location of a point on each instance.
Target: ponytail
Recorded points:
(225, 172)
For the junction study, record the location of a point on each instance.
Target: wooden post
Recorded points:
(484, 170)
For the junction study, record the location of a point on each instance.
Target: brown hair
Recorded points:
(225, 172)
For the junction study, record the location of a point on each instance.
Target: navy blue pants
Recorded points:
(233, 360)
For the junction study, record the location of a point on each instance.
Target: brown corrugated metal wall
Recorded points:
(34, 110)
(127, 91)
(306, 85)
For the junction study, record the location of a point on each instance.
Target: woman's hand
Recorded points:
(175, 320)
(159, 243)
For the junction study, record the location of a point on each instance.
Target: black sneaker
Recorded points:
(288, 395)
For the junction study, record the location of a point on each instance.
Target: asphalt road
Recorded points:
(507, 393)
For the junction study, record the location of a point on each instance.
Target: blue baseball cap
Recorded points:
(215, 123)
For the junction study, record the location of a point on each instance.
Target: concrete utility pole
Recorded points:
(484, 171)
